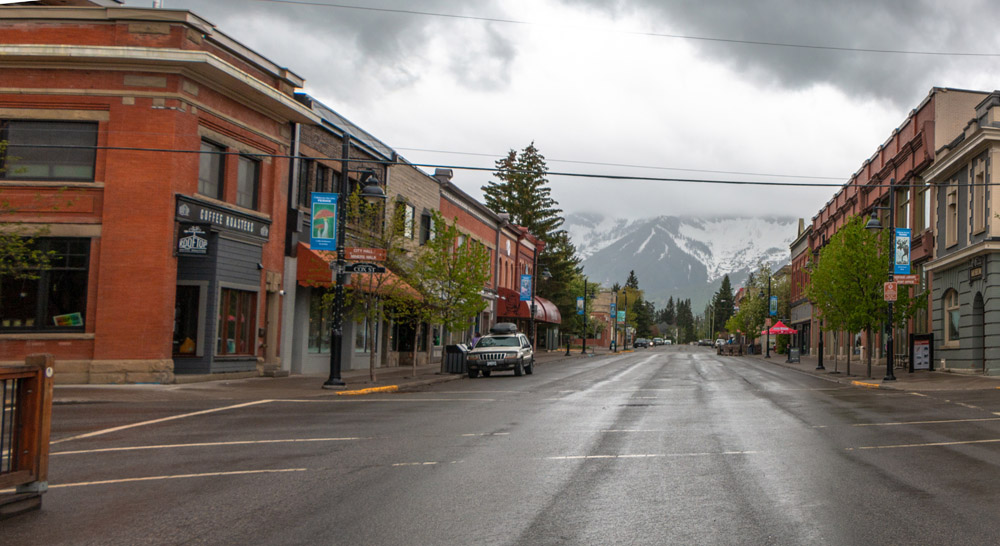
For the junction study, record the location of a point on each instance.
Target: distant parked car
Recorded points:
(640, 342)
(705, 342)
(668, 342)
(657, 341)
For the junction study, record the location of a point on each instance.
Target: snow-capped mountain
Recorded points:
(675, 256)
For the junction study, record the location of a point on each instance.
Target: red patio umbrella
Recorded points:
(779, 328)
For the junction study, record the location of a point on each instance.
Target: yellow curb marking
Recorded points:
(205, 444)
(866, 385)
(376, 400)
(935, 444)
(370, 390)
(154, 421)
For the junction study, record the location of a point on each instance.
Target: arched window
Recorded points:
(952, 314)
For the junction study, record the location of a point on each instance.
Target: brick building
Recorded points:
(902, 159)
(149, 147)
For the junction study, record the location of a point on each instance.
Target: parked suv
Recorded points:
(504, 348)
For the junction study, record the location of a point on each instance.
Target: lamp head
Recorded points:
(873, 222)
(371, 189)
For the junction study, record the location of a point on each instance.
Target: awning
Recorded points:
(313, 269)
(511, 307)
(778, 329)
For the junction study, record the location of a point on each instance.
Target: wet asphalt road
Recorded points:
(673, 445)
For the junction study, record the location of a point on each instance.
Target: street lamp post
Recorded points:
(614, 331)
(584, 336)
(767, 313)
(819, 366)
(874, 224)
(372, 192)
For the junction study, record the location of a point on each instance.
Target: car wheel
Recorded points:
(519, 368)
(473, 374)
(530, 369)
(486, 373)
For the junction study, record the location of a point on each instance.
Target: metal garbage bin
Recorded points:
(454, 358)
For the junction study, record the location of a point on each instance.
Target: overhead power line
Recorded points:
(490, 169)
(641, 33)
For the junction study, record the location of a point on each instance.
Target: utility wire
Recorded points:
(640, 33)
(493, 169)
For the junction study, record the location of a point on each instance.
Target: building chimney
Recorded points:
(443, 175)
(802, 225)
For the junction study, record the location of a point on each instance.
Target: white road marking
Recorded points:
(632, 430)
(646, 455)
(970, 406)
(489, 434)
(427, 463)
(370, 400)
(925, 422)
(205, 444)
(918, 394)
(934, 444)
(161, 420)
(178, 477)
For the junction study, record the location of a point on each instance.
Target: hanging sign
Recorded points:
(621, 316)
(906, 279)
(364, 268)
(902, 251)
(579, 305)
(614, 309)
(362, 254)
(774, 306)
(192, 239)
(525, 287)
(323, 228)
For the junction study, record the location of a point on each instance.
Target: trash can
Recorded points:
(454, 358)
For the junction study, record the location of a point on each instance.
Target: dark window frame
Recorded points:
(219, 151)
(43, 284)
(255, 192)
(9, 172)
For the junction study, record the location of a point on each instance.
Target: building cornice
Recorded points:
(205, 66)
(955, 158)
(963, 255)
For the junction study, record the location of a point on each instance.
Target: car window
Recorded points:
(505, 341)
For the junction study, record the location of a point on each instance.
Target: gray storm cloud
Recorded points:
(911, 25)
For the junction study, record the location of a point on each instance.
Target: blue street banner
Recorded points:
(774, 306)
(621, 316)
(525, 287)
(323, 228)
(579, 305)
(901, 248)
(613, 308)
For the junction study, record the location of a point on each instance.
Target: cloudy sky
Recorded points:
(659, 88)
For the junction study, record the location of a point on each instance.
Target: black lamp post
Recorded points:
(584, 350)
(874, 224)
(767, 313)
(371, 192)
(614, 331)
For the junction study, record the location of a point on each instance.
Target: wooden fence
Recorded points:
(24, 434)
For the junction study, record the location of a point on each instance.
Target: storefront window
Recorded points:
(50, 298)
(320, 316)
(361, 335)
(29, 155)
(237, 319)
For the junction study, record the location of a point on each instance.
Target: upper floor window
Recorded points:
(979, 198)
(408, 212)
(426, 228)
(951, 216)
(247, 182)
(211, 165)
(921, 210)
(305, 167)
(35, 150)
(903, 208)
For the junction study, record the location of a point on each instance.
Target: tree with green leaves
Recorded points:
(846, 284)
(19, 257)
(722, 303)
(450, 272)
(632, 281)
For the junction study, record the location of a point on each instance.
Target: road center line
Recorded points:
(645, 455)
(205, 444)
(161, 420)
(925, 422)
(179, 476)
(934, 444)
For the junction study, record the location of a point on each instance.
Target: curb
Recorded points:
(370, 390)
(866, 385)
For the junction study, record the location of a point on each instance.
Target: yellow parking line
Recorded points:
(370, 390)
(866, 384)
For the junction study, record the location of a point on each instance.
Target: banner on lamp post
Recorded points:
(773, 311)
(323, 228)
(579, 305)
(525, 287)
(901, 251)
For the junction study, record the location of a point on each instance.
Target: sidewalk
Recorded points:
(918, 381)
(399, 379)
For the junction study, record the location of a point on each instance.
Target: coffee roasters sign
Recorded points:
(192, 239)
(221, 219)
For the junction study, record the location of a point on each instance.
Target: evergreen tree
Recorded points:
(633, 281)
(669, 314)
(722, 303)
(643, 317)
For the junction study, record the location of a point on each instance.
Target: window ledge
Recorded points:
(951, 345)
(46, 337)
(49, 184)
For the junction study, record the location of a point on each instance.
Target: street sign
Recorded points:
(774, 305)
(364, 268)
(889, 291)
(906, 279)
(364, 254)
(902, 251)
